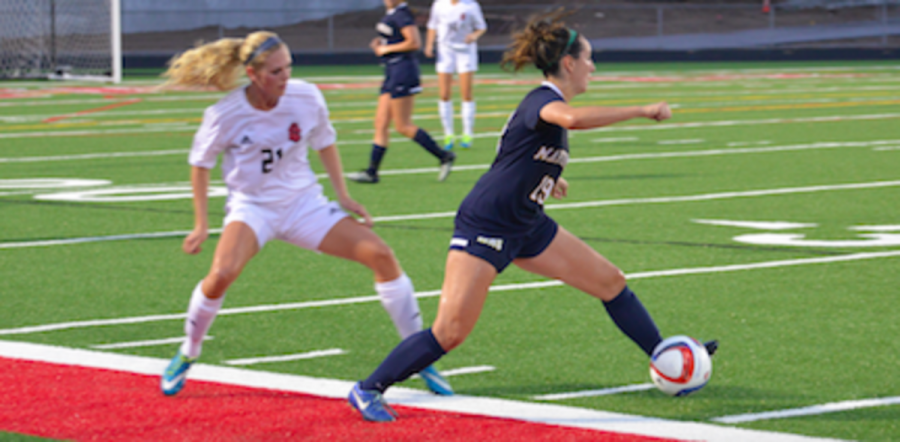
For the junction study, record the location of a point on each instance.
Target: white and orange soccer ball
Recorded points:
(680, 365)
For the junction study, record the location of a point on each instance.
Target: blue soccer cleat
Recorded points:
(371, 405)
(466, 141)
(435, 382)
(176, 374)
(449, 140)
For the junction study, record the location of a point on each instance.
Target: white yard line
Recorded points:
(688, 141)
(592, 393)
(550, 414)
(434, 293)
(285, 358)
(437, 215)
(830, 407)
(147, 343)
(618, 128)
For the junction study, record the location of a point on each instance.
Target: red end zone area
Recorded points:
(76, 403)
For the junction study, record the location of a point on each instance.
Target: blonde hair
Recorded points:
(543, 43)
(218, 64)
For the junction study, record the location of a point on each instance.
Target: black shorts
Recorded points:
(501, 250)
(401, 78)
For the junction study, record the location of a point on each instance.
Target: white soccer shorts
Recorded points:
(457, 58)
(303, 222)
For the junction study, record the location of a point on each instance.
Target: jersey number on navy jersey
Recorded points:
(542, 191)
(269, 158)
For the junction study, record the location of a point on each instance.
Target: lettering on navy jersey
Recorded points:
(384, 28)
(552, 155)
(494, 243)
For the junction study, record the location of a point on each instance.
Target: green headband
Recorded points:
(572, 36)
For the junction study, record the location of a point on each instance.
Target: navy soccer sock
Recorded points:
(632, 318)
(415, 353)
(428, 144)
(375, 160)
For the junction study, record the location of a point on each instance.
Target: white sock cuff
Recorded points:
(399, 286)
(200, 301)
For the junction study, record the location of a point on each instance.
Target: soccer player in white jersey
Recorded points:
(455, 25)
(264, 131)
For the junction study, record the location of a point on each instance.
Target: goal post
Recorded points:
(61, 39)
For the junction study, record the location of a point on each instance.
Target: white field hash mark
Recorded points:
(147, 343)
(592, 393)
(463, 370)
(434, 293)
(830, 407)
(285, 358)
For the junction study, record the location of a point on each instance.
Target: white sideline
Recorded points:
(830, 407)
(433, 293)
(572, 417)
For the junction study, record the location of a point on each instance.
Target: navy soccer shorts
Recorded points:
(401, 78)
(501, 250)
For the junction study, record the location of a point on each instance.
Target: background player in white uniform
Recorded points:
(456, 26)
(264, 132)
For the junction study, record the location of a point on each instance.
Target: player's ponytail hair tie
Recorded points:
(270, 43)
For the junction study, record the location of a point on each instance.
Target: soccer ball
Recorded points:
(680, 365)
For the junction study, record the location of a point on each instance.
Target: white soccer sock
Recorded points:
(397, 297)
(468, 117)
(201, 312)
(445, 109)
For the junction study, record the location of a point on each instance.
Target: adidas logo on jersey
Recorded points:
(552, 155)
(494, 243)
(246, 140)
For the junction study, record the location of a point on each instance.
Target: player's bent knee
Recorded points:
(450, 336)
(224, 275)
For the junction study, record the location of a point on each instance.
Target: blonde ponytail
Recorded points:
(219, 64)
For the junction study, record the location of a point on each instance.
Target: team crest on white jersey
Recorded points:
(294, 132)
(494, 243)
(384, 29)
(552, 155)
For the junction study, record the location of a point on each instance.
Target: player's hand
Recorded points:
(429, 51)
(471, 38)
(375, 45)
(658, 111)
(356, 208)
(191, 244)
(561, 189)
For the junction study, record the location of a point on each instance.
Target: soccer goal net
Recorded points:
(61, 39)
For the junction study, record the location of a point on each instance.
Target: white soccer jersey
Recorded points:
(265, 152)
(454, 22)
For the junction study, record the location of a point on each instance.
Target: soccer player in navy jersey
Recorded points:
(397, 42)
(502, 220)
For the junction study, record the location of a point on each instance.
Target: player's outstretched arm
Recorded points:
(200, 186)
(589, 117)
(331, 160)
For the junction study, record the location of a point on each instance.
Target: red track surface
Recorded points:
(78, 403)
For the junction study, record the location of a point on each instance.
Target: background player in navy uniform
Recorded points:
(502, 220)
(397, 44)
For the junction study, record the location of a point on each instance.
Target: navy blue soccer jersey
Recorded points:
(391, 25)
(509, 198)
